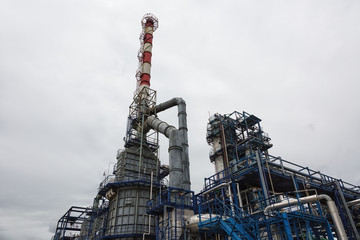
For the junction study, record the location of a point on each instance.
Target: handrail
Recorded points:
(312, 174)
(127, 177)
(226, 174)
(221, 211)
(173, 196)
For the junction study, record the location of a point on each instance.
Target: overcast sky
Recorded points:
(67, 78)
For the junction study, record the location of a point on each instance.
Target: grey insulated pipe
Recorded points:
(175, 155)
(160, 126)
(339, 227)
(182, 119)
(175, 149)
(353, 203)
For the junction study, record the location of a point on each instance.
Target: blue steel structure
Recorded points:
(234, 199)
(69, 225)
(169, 208)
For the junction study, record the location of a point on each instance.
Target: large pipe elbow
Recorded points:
(177, 101)
(159, 126)
(180, 101)
(312, 198)
(339, 227)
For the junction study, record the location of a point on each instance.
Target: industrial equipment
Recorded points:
(252, 194)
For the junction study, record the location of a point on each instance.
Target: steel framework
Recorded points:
(69, 225)
(234, 199)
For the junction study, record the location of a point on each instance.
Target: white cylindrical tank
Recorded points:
(192, 223)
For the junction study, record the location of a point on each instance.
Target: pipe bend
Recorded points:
(158, 125)
(339, 227)
(180, 101)
(177, 101)
(312, 198)
(325, 197)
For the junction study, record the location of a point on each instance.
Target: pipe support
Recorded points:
(339, 227)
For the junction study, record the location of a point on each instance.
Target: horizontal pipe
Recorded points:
(339, 227)
(302, 200)
(216, 187)
(168, 104)
(354, 202)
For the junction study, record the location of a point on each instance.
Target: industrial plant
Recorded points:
(251, 195)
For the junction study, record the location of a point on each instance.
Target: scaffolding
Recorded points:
(139, 110)
(169, 209)
(70, 224)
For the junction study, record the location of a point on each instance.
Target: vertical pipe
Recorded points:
(231, 199)
(262, 178)
(239, 195)
(339, 227)
(223, 139)
(149, 216)
(185, 146)
(116, 210)
(268, 169)
(353, 226)
(136, 210)
(175, 154)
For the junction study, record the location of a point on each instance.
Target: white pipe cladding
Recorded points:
(339, 227)
(146, 68)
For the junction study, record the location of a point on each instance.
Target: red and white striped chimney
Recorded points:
(149, 23)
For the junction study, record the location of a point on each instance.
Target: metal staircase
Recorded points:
(225, 216)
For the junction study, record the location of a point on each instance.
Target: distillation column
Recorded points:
(137, 165)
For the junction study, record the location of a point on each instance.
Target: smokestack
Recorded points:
(149, 24)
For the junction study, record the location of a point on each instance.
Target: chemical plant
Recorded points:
(252, 195)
